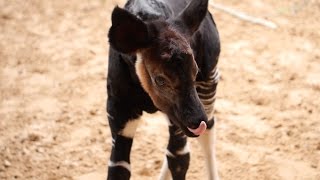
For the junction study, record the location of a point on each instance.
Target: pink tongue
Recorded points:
(202, 127)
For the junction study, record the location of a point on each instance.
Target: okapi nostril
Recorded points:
(194, 125)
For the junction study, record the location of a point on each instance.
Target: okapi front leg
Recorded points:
(119, 162)
(178, 155)
(123, 125)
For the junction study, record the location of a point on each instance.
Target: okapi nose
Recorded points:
(195, 121)
(199, 130)
(194, 125)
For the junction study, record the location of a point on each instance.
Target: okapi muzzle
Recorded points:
(190, 115)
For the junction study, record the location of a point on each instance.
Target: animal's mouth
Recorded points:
(191, 127)
(199, 130)
(194, 132)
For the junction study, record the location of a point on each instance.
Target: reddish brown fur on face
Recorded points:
(144, 68)
(171, 41)
(153, 61)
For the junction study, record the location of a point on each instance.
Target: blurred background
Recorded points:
(53, 62)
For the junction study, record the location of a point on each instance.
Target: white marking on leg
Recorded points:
(203, 85)
(165, 172)
(184, 150)
(211, 94)
(215, 75)
(210, 115)
(209, 110)
(109, 116)
(168, 153)
(207, 142)
(113, 141)
(123, 164)
(178, 132)
(130, 128)
(207, 101)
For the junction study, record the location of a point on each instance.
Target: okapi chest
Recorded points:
(163, 57)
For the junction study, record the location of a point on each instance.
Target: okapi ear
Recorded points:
(192, 16)
(127, 33)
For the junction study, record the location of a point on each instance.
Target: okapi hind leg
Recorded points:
(207, 94)
(207, 142)
(165, 172)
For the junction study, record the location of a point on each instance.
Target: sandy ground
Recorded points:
(53, 60)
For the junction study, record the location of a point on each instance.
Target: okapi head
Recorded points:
(165, 63)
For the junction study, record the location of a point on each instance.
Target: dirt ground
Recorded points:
(53, 61)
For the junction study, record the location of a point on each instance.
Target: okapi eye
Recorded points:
(160, 81)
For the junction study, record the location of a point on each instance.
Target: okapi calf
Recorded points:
(163, 57)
